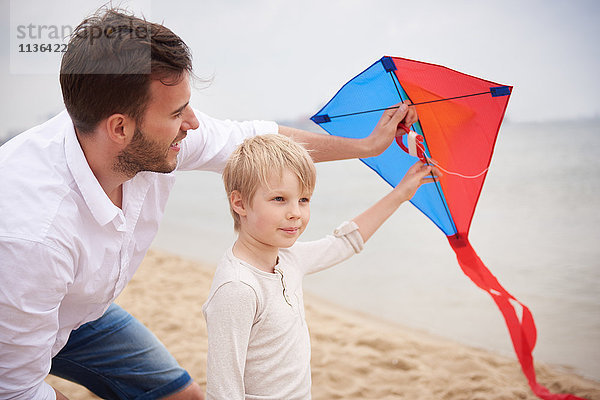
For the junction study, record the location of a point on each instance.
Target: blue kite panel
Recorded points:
(374, 89)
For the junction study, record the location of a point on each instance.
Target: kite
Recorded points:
(459, 119)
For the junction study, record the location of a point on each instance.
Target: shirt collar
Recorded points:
(94, 196)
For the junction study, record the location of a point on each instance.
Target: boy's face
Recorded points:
(278, 212)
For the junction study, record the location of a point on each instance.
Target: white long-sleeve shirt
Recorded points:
(258, 341)
(66, 251)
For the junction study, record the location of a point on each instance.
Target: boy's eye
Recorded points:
(304, 200)
(278, 198)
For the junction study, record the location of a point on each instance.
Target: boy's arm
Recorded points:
(330, 148)
(317, 255)
(229, 317)
(370, 220)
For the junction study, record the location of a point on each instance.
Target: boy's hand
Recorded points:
(372, 218)
(416, 175)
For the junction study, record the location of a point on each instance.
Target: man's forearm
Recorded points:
(329, 148)
(59, 395)
(324, 147)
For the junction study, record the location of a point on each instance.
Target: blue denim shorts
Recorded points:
(117, 357)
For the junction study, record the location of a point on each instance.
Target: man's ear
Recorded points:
(237, 203)
(120, 128)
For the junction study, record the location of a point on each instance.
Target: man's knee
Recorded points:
(192, 392)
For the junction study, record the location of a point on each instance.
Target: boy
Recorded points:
(258, 341)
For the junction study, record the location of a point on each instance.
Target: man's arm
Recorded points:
(330, 148)
(59, 395)
(34, 282)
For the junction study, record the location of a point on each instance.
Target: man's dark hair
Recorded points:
(110, 61)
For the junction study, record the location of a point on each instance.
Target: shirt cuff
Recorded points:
(265, 127)
(47, 392)
(349, 230)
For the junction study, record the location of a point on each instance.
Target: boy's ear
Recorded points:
(237, 203)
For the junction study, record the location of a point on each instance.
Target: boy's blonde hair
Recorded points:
(258, 158)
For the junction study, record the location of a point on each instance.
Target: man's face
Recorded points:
(156, 140)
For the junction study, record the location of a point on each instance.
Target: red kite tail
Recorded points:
(522, 330)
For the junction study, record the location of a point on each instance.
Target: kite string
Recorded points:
(437, 165)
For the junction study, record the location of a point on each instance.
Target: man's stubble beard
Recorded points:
(142, 155)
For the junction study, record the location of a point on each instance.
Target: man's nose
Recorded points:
(190, 121)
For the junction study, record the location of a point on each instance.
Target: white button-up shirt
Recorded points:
(66, 251)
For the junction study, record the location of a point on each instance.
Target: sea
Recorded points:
(536, 227)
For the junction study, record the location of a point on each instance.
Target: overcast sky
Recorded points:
(282, 60)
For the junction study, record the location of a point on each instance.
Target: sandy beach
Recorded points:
(354, 356)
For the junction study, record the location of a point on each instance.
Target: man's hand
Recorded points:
(389, 127)
(329, 148)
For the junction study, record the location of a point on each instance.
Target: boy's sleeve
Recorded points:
(229, 314)
(324, 253)
(208, 147)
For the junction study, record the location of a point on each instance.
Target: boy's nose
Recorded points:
(294, 211)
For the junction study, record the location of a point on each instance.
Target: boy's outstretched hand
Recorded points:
(416, 175)
(372, 218)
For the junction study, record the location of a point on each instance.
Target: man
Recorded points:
(82, 198)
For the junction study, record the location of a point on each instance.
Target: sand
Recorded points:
(354, 356)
